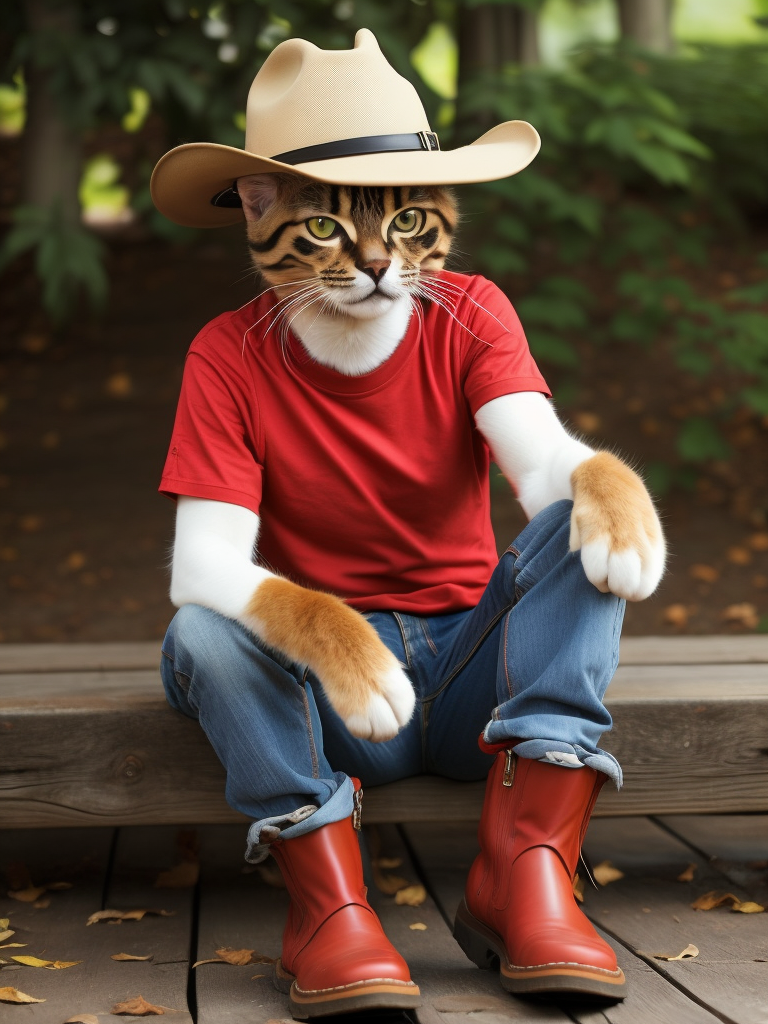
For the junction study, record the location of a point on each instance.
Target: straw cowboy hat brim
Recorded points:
(339, 116)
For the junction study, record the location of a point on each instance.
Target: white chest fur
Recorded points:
(350, 345)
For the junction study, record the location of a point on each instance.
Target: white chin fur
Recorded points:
(355, 342)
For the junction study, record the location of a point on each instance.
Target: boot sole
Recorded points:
(486, 949)
(376, 994)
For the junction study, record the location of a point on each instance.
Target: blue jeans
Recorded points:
(530, 663)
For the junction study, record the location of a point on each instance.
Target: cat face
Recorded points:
(352, 251)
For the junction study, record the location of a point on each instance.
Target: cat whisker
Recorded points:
(431, 297)
(449, 286)
(285, 303)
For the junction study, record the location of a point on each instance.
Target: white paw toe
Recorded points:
(594, 558)
(376, 723)
(399, 694)
(624, 572)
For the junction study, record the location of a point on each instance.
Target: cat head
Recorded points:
(355, 251)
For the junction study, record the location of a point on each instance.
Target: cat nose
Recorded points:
(376, 269)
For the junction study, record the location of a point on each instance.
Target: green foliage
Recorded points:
(67, 258)
(633, 181)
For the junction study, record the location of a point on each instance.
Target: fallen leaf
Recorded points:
(744, 613)
(688, 953)
(26, 895)
(676, 615)
(130, 956)
(82, 1018)
(255, 976)
(412, 896)
(125, 915)
(138, 1007)
(687, 875)
(739, 555)
(119, 385)
(389, 884)
(12, 995)
(748, 907)
(51, 965)
(13, 945)
(4, 922)
(578, 888)
(182, 876)
(704, 573)
(42, 904)
(713, 899)
(214, 960)
(606, 872)
(6, 934)
(241, 957)
(388, 862)
(418, 926)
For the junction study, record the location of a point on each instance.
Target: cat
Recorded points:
(349, 266)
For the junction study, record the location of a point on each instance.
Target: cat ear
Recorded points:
(258, 192)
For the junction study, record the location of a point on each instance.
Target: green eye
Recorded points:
(322, 227)
(408, 220)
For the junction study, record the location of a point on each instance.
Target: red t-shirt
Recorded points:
(372, 487)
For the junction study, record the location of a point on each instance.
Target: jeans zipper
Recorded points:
(478, 643)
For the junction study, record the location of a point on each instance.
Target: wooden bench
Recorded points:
(86, 738)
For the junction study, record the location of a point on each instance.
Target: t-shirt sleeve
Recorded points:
(496, 359)
(214, 449)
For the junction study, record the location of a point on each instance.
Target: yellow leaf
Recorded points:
(27, 895)
(4, 922)
(125, 915)
(61, 965)
(688, 953)
(138, 1007)
(82, 1018)
(748, 908)
(687, 875)
(13, 945)
(32, 961)
(12, 995)
(130, 956)
(182, 876)
(6, 934)
(389, 884)
(413, 896)
(418, 926)
(606, 872)
(713, 899)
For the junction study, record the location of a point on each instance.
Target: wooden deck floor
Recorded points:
(646, 912)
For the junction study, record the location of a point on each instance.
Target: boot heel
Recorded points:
(474, 944)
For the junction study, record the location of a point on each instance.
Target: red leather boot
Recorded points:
(336, 957)
(519, 904)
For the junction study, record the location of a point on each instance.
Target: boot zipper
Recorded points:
(509, 768)
(357, 810)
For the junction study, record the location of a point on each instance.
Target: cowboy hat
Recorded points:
(339, 116)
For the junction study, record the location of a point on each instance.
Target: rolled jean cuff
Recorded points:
(300, 821)
(568, 755)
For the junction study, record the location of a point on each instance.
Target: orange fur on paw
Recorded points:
(616, 527)
(316, 629)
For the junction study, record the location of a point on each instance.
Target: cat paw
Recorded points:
(616, 527)
(385, 711)
(361, 678)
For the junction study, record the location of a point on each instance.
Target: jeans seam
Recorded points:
(310, 734)
(506, 659)
(428, 635)
(486, 632)
(406, 645)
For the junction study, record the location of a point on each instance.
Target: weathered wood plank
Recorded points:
(59, 932)
(645, 650)
(693, 650)
(445, 852)
(79, 657)
(650, 911)
(736, 845)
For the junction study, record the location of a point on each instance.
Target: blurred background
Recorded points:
(635, 250)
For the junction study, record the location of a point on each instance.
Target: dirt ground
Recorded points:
(85, 419)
